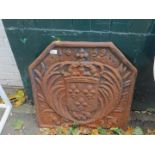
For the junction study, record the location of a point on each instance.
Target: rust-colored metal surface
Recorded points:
(88, 83)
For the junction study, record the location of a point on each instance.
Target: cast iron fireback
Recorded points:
(88, 83)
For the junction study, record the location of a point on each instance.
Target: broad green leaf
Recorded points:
(116, 131)
(101, 131)
(18, 124)
(74, 125)
(73, 131)
(138, 131)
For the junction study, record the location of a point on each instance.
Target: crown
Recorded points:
(81, 72)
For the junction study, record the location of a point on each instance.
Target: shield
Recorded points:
(82, 99)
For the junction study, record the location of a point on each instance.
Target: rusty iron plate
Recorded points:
(88, 83)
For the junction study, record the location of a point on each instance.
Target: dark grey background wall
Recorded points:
(136, 38)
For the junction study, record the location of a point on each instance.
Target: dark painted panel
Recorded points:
(82, 24)
(43, 23)
(13, 23)
(140, 26)
(119, 25)
(63, 24)
(100, 25)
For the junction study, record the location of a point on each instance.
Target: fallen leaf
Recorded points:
(94, 132)
(144, 112)
(84, 131)
(16, 99)
(59, 130)
(116, 131)
(64, 131)
(45, 131)
(109, 132)
(138, 131)
(53, 131)
(18, 124)
(129, 131)
(73, 131)
(137, 112)
(150, 131)
(19, 98)
(101, 131)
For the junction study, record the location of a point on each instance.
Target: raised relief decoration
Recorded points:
(87, 83)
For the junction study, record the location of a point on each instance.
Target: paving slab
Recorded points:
(26, 114)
